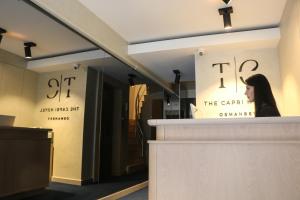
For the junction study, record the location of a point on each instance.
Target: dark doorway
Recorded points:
(106, 132)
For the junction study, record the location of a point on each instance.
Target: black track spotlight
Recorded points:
(177, 76)
(168, 99)
(27, 48)
(2, 31)
(226, 16)
(131, 79)
(227, 1)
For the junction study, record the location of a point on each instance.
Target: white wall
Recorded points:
(289, 57)
(230, 101)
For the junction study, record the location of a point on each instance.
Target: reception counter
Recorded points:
(24, 159)
(225, 159)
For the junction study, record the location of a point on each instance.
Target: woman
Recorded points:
(258, 90)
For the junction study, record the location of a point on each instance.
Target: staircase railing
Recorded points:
(138, 128)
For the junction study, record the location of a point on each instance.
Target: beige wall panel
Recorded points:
(289, 51)
(14, 99)
(221, 95)
(17, 89)
(28, 100)
(67, 122)
(11, 90)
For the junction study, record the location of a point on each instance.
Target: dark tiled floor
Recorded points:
(59, 191)
(138, 195)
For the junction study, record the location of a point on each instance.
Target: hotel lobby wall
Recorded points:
(220, 91)
(60, 106)
(17, 89)
(289, 51)
(69, 102)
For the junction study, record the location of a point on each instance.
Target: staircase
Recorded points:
(136, 140)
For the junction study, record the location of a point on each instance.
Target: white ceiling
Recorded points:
(165, 56)
(142, 22)
(24, 23)
(58, 48)
(152, 23)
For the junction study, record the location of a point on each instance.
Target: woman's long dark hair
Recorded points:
(262, 92)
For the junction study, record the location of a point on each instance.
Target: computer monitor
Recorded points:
(7, 120)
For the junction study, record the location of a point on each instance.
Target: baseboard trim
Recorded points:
(125, 192)
(70, 181)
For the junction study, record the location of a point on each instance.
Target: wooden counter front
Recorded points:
(24, 159)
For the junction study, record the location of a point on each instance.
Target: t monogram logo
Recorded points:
(57, 84)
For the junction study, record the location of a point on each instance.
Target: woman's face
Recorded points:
(250, 93)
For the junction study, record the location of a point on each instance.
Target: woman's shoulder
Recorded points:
(267, 110)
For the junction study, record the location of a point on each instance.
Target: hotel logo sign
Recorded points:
(220, 81)
(253, 64)
(60, 88)
(230, 78)
(56, 86)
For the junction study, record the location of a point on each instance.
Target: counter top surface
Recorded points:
(207, 121)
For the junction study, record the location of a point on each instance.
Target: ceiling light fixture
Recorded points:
(177, 76)
(2, 31)
(227, 1)
(226, 16)
(27, 48)
(130, 79)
